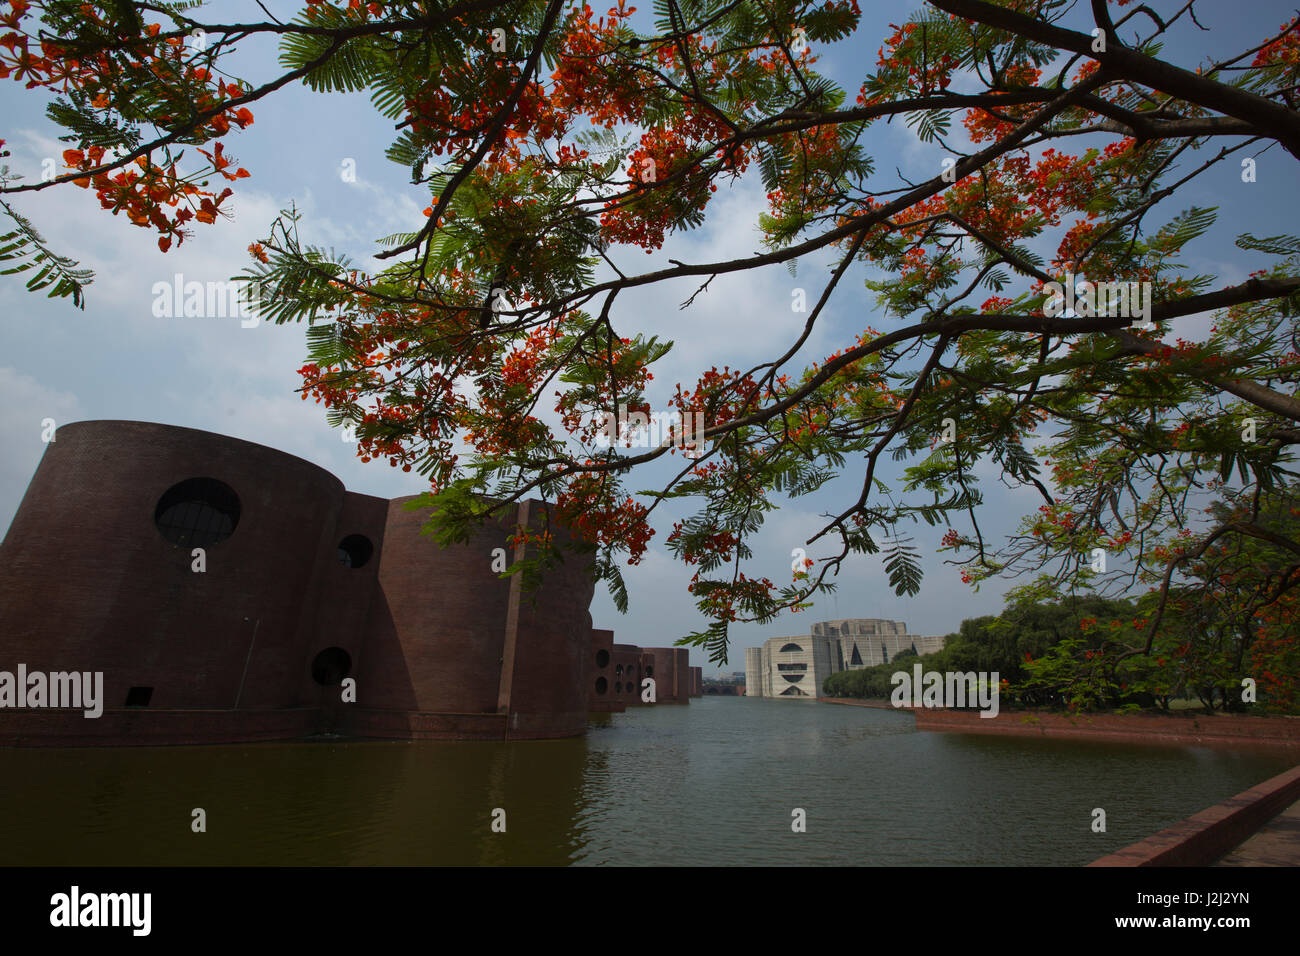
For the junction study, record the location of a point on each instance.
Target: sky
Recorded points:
(324, 153)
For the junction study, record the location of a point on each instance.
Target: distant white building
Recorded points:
(794, 667)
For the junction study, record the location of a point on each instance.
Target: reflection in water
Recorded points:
(712, 782)
(293, 804)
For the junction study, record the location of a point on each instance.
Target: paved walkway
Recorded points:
(1277, 843)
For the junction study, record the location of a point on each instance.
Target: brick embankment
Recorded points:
(1144, 728)
(1147, 728)
(856, 702)
(1276, 844)
(1207, 836)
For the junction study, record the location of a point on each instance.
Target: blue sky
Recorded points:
(116, 360)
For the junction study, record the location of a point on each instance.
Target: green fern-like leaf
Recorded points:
(930, 124)
(1274, 245)
(904, 569)
(23, 250)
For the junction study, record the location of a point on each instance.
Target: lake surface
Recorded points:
(714, 782)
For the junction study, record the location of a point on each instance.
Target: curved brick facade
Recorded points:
(439, 646)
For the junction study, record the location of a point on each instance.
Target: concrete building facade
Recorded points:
(866, 642)
(794, 668)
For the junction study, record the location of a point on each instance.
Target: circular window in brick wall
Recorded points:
(355, 550)
(331, 666)
(602, 658)
(197, 513)
(602, 685)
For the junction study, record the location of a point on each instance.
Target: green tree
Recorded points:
(551, 149)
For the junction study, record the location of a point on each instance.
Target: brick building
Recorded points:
(303, 586)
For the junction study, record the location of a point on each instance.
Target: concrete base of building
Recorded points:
(140, 727)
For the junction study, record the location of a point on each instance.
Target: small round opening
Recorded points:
(331, 666)
(602, 685)
(602, 658)
(197, 512)
(355, 550)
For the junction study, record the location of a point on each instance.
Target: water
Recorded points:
(710, 783)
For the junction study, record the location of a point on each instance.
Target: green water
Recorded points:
(713, 782)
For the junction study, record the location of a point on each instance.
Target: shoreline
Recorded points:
(1202, 839)
(1197, 729)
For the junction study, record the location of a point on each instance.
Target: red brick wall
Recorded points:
(633, 663)
(607, 702)
(1135, 727)
(435, 637)
(402, 725)
(671, 674)
(341, 599)
(549, 689)
(88, 583)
